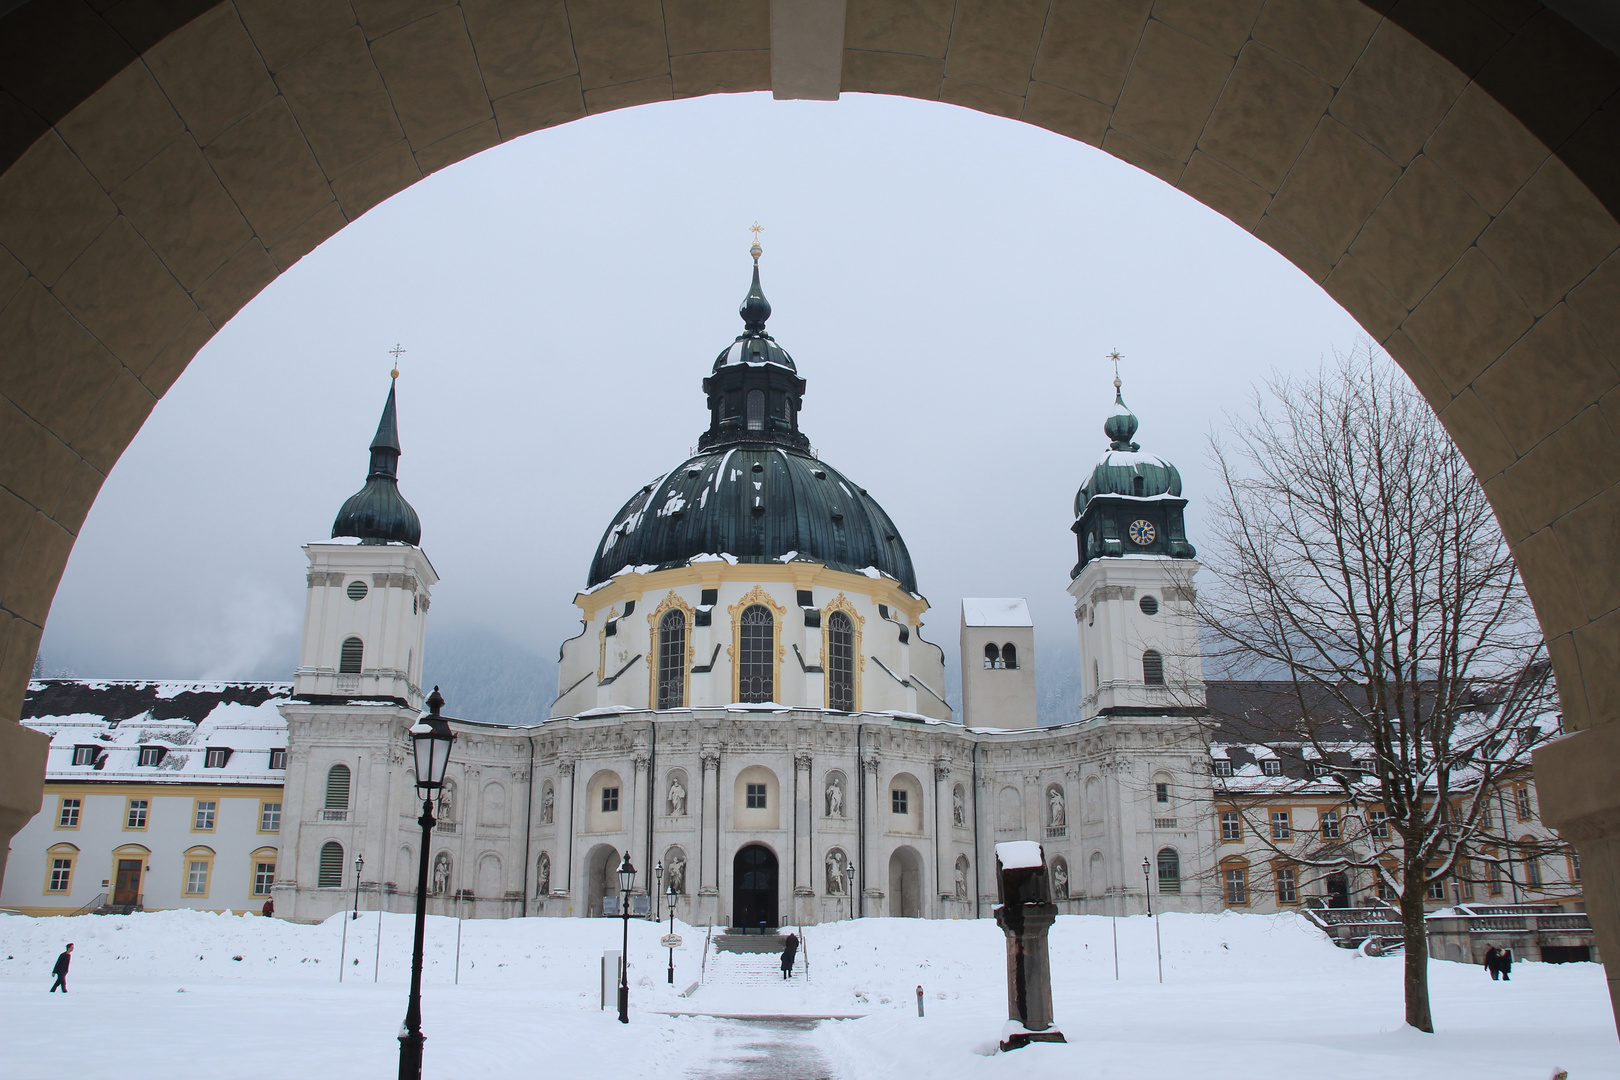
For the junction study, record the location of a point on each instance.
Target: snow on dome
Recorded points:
(996, 611)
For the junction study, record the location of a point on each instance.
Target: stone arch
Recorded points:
(906, 883)
(491, 885)
(159, 173)
(1096, 875)
(903, 801)
(606, 802)
(746, 793)
(600, 863)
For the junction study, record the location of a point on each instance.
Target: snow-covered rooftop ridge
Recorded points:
(1019, 855)
(996, 611)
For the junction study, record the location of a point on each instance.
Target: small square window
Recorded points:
(1231, 825)
(270, 817)
(216, 756)
(150, 755)
(136, 817)
(264, 878)
(1221, 767)
(899, 801)
(204, 821)
(85, 755)
(1330, 824)
(755, 796)
(1271, 766)
(1281, 827)
(61, 875)
(67, 816)
(610, 800)
(278, 759)
(1161, 793)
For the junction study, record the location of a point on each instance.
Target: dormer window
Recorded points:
(84, 755)
(150, 755)
(1271, 767)
(216, 756)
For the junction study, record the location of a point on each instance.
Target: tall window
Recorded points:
(198, 863)
(1281, 827)
(1378, 823)
(1236, 880)
(330, 875)
(1493, 878)
(1330, 824)
(1521, 799)
(756, 410)
(992, 656)
(349, 659)
(754, 670)
(264, 878)
(1161, 794)
(1287, 885)
(1009, 655)
(68, 817)
(1532, 868)
(61, 873)
(1153, 668)
(337, 787)
(206, 809)
(840, 662)
(672, 660)
(1169, 871)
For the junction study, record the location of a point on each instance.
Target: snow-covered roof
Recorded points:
(996, 611)
(182, 720)
(1019, 854)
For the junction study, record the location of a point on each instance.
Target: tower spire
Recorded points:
(755, 309)
(378, 513)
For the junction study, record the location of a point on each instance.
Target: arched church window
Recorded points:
(840, 662)
(1139, 486)
(1153, 668)
(672, 660)
(330, 875)
(756, 410)
(755, 664)
(1009, 656)
(337, 787)
(1169, 871)
(353, 652)
(992, 656)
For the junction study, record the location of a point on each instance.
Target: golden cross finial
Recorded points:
(755, 251)
(1116, 358)
(397, 351)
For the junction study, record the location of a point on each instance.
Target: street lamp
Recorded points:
(627, 880)
(659, 871)
(672, 932)
(359, 861)
(849, 881)
(1147, 892)
(431, 739)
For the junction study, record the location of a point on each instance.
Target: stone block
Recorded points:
(54, 56)
(26, 451)
(1485, 149)
(267, 167)
(1590, 534)
(55, 370)
(1323, 36)
(1333, 188)
(1477, 431)
(618, 42)
(696, 74)
(341, 103)
(892, 73)
(1224, 190)
(1397, 93)
(1149, 159)
(1564, 469)
(113, 422)
(696, 26)
(122, 126)
(211, 72)
(308, 235)
(1550, 374)
(1572, 701)
(75, 492)
(520, 45)
(981, 98)
(1551, 235)
(379, 17)
(921, 28)
(174, 357)
(1171, 90)
(375, 179)
(1287, 243)
(624, 95)
(177, 203)
(1419, 369)
(1552, 76)
(1226, 26)
(1598, 644)
(1508, 514)
(1419, 231)
(1468, 320)
(50, 209)
(29, 581)
(12, 276)
(24, 751)
(1265, 116)
(1365, 298)
(284, 30)
(242, 277)
(125, 296)
(1554, 586)
(454, 148)
(540, 107)
(1088, 45)
(1056, 109)
(994, 42)
(1596, 302)
(432, 76)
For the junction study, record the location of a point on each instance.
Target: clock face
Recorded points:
(1142, 532)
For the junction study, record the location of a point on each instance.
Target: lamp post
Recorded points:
(627, 880)
(672, 933)
(431, 739)
(849, 879)
(359, 861)
(1158, 944)
(1146, 892)
(659, 872)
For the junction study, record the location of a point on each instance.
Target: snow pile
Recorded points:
(1243, 995)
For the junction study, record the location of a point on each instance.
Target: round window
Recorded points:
(1149, 605)
(357, 589)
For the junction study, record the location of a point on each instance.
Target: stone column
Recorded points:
(944, 839)
(563, 814)
(803, 808)
(1025, 915)
(709, 837)
(642, 792)
(872, 811)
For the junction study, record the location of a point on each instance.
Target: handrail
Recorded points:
(703, 963)
(99, 902)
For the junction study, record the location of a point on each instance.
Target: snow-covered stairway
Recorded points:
(750, 960)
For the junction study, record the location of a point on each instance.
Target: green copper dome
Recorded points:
(378, 513)
(1131, 504)
(1124, 469)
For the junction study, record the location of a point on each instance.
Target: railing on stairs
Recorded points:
(93, 906)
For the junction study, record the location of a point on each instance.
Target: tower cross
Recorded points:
(1116, 358)
(397, 351)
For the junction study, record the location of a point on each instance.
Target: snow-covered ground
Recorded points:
(194, 994)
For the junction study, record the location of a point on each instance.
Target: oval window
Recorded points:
(1149, 605)
(357, 590)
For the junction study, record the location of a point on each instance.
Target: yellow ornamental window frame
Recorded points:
(213, 815)
(64, 850)
(197, 854)
(262, 855)
(858, 622)
(669, 603)
(756, 595)
(78, 810)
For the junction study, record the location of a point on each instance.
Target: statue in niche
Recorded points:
(961, 877)
(835, 873)
(958, 808)
(677, 797)
(675, 874)
(548, 802)
(447, 802)
(545, 875)
(835, 796)
(441, 874)
(1060, 879)
(1056, 812)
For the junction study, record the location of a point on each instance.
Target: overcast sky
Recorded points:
(948, 283)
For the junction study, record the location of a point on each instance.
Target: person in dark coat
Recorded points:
(1504, 963)
(1493, 958)
(790, 949)
(61, 970)
(269, 908)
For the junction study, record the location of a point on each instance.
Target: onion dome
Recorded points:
(754, 492)
(1123, 468)
(378, 513)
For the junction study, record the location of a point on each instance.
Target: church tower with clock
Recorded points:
(1133, 585)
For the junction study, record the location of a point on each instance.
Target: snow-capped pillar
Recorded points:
(709, 871)
(802, 810)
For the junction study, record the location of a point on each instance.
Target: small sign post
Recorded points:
(670, 941)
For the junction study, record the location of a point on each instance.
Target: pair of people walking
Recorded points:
(1499, 962)
(61, 970)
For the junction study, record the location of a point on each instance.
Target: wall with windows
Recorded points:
(365, 620)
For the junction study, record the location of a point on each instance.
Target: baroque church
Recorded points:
(751, 709)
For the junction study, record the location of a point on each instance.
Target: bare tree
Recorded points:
(1358, 562)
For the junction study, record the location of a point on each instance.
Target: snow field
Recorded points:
(1244, 995)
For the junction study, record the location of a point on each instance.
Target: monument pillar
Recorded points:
(1025, 915)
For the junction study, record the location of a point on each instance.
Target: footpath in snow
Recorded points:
(194, 994)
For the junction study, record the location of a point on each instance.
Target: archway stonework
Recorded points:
(1448, 176)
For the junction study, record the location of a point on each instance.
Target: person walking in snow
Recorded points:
(790, 949)
(61, 970)
(1493, 957)
(1504, 963)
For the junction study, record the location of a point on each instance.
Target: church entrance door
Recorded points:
(753, 899)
